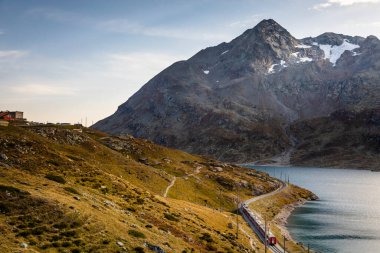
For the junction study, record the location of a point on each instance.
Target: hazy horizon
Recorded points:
(63, 61)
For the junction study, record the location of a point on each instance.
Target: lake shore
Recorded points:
(281, 219)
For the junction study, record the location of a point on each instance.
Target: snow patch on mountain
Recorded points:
(333, 53)
(271, 68)
(303, 46)
(305, 59)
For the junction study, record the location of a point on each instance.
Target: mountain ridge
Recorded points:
(233, 100)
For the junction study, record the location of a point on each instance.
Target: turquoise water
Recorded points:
(347, 216)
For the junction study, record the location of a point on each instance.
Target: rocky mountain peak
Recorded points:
(224, 95)
(269, 32)
(269, 25)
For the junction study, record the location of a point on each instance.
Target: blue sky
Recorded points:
(65, 60)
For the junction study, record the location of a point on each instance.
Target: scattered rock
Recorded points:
(155, 248)
(218, 169)
(24, 245)
(109, 203)
(76, 198)
(3, 157)
(120, 244)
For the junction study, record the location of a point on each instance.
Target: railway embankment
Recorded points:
(277, 208)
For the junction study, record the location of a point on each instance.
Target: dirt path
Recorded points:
(280, 189)
(196, 171)
(169, 186)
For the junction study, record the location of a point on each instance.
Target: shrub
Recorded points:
(66, 244)
(71, 190)
(11, 189)
(78, 242)
(136, 233)
(71, 233)
(170, 217)
(56, 178)
(75, 251)
(148, 226)
(139, 201)
(206, 237)
(4, 208)
(210, 247)
(38, 230)
(139, 249)
(24, 233)
(60, 225)
(106, 241)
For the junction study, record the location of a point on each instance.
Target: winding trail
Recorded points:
(170, 186)
(279, 189)
(196, 171)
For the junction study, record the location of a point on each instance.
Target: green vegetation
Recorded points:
(136, 233)
(170, 217)
(71, 190)
(56, 178)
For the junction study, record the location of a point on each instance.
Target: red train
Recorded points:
(256, 222)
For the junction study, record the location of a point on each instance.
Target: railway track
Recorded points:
(274, 248)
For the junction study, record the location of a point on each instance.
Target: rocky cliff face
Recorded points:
(233, 101)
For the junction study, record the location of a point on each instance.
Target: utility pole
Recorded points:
(284, 244)
(265, 237)
(220, 200)
(308, 248)
(237, 217)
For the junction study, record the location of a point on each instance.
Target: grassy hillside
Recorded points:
(66, 191)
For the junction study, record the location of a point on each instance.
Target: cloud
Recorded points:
(122, 25)
(331, 3)
(43, 89)
(127, 26)
(246, 22)
(136, 68)
(368, 24)
(12, 54)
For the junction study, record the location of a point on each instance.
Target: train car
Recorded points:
(271, 239)
(256, 222)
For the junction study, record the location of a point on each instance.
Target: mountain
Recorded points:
(235, 101)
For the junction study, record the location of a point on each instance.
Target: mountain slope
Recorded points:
(344, 139)
(233, 101)
(63, 190)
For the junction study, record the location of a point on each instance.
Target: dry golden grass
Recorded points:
(120, 195)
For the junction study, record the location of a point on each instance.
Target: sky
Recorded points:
(72, 60)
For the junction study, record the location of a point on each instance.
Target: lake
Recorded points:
(347, 216)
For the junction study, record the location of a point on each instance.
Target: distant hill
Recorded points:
(235, 101)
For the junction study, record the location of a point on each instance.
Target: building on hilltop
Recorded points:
(15, 115)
